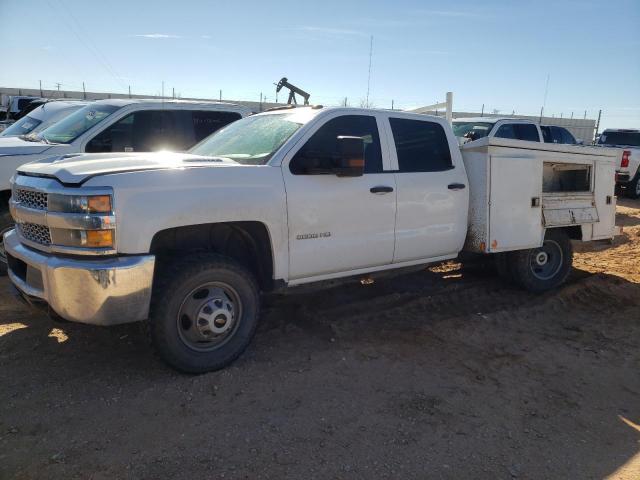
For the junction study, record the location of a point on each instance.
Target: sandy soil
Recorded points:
(445, 373)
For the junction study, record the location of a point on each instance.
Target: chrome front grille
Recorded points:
(35, 233)
(31, 198)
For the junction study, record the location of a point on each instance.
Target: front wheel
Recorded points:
(204, 312)
(547, 267)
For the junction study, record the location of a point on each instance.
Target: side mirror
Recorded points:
(350, 161)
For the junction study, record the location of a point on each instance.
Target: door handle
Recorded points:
(381, 189)
(456, 186)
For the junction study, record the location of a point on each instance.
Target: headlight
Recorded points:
(80, 203)
(81, 221)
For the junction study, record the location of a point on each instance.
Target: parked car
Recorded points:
(285, 198)
(15, 104)
(509, 127)
(43, 117)
(628, 172)
(498, 127)
(108, 126)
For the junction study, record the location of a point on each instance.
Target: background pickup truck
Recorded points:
(510, 127)
(628, 171)
(107, 126)
(187, 241)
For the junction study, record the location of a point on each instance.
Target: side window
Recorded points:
(324, 143)
(567, 137)
(206, 122)
(546, 134)
(116, 138)
(556, 135)
(506, 131)
(526, 131)
(421, 146)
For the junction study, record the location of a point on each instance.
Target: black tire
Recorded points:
(632, 189)
(6, 224)
(178, 335)
(533, 273)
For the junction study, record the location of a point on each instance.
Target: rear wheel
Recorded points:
(204, 312)
(6, 224)
(547, 267)
(633, 187)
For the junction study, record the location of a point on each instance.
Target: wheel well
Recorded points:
(4, 198)
(246, 242)
(574, 232)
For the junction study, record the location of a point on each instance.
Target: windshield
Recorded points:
(476, 129)
(21, 127)
(67, 130)
(620, 138)
(250, 141)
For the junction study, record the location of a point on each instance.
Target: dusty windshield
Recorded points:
(21, 127)
(473, 130)
(67, 130)
(250, 141)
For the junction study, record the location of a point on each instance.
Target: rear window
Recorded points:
(421, 146)
(620, 138)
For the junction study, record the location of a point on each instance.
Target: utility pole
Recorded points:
(40, 87)
(220, 94)
(84, 92)
(598, 123)
(585, 115)
(173, 92)
(571, 115)
(129, 91)
(541, 112)
(482, 111)
(391, 104)
(260, 101)
(58, 87)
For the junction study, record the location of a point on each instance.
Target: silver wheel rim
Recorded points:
(545, 262)
(209, 316)
(3, 252)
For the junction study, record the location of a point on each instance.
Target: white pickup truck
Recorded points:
(628, 171)
(187, 241)
(119, 125)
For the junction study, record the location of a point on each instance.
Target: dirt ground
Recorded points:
(444, 373)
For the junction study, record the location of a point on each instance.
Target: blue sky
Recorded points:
(494, 52)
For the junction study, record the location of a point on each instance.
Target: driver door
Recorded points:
(337, 224)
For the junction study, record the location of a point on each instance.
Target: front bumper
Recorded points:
(105, 291)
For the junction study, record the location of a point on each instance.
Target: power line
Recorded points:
(86, 42)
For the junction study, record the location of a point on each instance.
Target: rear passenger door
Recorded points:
(432, 197)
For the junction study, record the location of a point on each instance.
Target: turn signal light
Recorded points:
(99, 238)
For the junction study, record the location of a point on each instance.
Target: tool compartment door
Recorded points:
(515, 198)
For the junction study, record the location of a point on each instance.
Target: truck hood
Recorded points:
(17, 146)
(77, 168)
